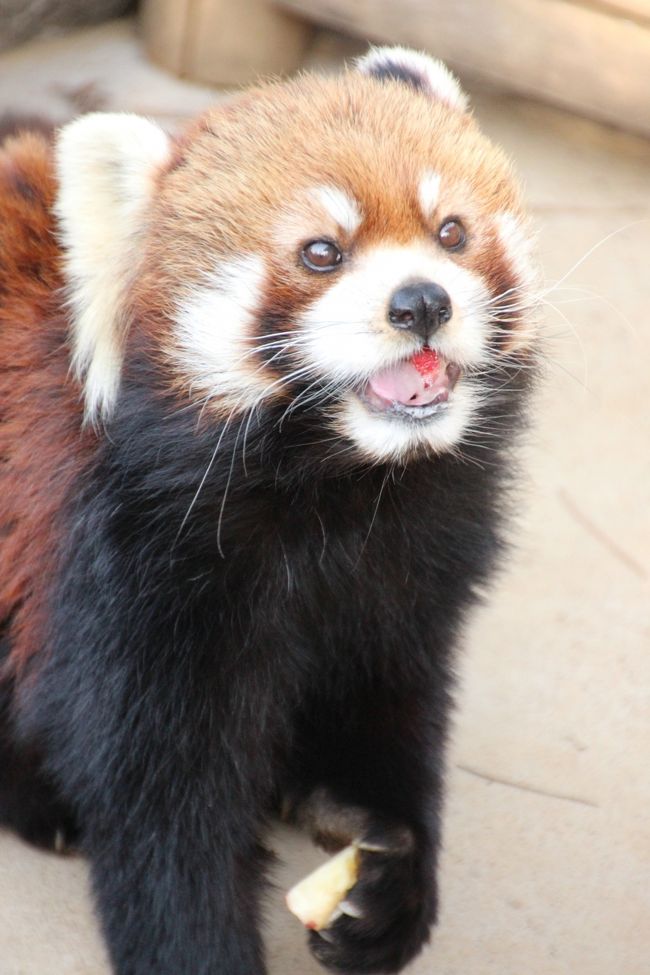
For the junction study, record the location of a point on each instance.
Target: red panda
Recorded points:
(259, 387)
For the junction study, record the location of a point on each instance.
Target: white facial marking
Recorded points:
(429, 193)
(211, 332)
(105, 164)
(518, 242)
(434, 76)
(345, 335)
(340, 207)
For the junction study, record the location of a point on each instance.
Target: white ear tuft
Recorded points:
(106, 165)
(424, 73)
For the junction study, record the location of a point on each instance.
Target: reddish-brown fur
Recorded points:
(41, 443)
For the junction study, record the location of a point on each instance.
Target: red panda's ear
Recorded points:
(106, 167)
(424, 73)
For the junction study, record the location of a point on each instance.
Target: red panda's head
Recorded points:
(352, 248)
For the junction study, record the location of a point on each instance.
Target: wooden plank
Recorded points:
(223, 42)
(639, 9)
(163, 27)
(580, 58)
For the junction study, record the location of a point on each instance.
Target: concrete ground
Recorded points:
(547, 835)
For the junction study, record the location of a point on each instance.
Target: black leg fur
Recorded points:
(172, 771)
(377, 759)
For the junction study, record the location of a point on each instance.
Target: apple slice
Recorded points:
(314, 899)
(427, 362)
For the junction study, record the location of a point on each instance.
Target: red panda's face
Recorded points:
(350, 248)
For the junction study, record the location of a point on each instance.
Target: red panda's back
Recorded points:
(40, 413)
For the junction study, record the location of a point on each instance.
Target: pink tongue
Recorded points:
(405, 384)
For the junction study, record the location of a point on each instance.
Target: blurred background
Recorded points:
(547, 839)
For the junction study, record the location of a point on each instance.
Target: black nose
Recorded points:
(421, 307)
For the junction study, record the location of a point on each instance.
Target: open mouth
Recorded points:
(415, 389)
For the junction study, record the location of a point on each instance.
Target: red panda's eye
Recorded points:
(321, 255)
(452, 235)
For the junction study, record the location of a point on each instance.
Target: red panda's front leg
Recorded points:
(178, 893)
(370, 774)
(163, 747)
(171, 822)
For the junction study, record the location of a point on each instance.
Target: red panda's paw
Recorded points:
(48, 825)
(386, 917)
(30, 805)
(57, 836)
